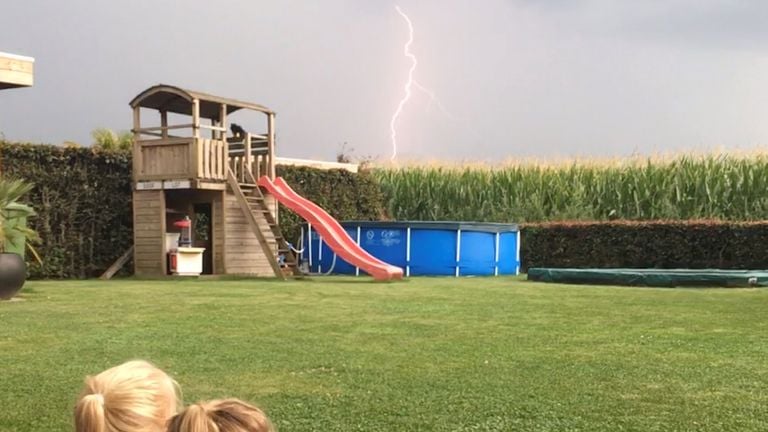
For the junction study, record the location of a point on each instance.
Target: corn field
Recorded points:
(686, 187)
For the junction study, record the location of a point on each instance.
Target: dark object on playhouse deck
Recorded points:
(652, 277)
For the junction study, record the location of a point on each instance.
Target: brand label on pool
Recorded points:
(384, 238)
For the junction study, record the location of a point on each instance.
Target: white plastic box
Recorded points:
(187, 261)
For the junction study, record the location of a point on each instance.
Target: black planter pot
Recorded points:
(13, 273)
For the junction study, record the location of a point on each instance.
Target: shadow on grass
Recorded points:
(260, 279)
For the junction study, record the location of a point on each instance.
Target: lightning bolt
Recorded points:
(409, 84)
(407, 52)
(433, 99)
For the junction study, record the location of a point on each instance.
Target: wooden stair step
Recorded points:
(249, 198)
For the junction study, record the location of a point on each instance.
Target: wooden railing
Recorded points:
(249, 158)
(180, 158)
(212, 159)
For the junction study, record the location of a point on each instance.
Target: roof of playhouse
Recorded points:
(178, 100)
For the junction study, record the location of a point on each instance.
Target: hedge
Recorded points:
(83, 200)
(656, 244)
(345, 195)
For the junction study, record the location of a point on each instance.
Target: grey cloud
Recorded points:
(520, 78)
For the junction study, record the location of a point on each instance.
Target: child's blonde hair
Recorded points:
(135, 396)
(224, 415)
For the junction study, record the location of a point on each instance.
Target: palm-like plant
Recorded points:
(13, 230)
(107, 139)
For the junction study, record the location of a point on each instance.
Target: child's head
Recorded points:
(225, 415)
(132, 397)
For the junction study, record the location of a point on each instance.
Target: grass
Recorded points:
(345, 354)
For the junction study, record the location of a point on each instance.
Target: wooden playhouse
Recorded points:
(197, 169)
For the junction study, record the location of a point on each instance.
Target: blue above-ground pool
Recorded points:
(423, 248)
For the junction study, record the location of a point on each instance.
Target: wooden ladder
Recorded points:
(253, 203)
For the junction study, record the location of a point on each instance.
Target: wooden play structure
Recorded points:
(16, 71)
(197, 169)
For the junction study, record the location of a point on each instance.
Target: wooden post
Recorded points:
(136, 137)
(271, 145)
(247, 155)
(270, 168)
(164, 123)
(195, 147)
(204, 158)
(117, 265)
(163, 230)
(223, 119)
(149, 232)
(224, 162)
(196, 118)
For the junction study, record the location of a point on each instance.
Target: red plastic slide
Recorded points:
(332, 232)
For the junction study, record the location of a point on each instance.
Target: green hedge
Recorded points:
(82, 198)
(83, 201)
(345, 195)
(664, 244)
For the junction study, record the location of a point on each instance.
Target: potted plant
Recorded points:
(14, 236)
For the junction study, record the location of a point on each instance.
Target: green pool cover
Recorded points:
(651, 277)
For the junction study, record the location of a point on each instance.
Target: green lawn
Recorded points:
(345, 354)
